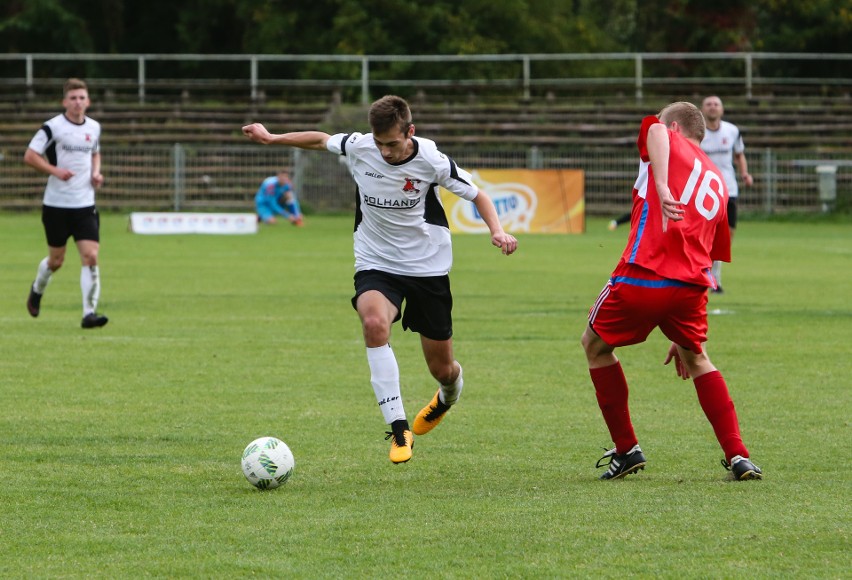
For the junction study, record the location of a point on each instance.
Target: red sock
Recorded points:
(611, 391)
(719, 409)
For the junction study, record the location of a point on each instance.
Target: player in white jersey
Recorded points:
(67, 148)
(403, 252)
(724, 145)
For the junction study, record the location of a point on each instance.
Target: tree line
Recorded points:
(435, 27)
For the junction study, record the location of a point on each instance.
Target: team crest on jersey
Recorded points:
(411, 185)
(88, 137)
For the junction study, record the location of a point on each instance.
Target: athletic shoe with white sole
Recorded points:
(621, 465)
(742, 468)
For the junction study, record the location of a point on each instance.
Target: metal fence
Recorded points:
(253, 75)
(182, 177)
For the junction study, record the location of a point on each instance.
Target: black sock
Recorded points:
(399, 426)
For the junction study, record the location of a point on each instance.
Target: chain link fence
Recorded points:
(216, 178)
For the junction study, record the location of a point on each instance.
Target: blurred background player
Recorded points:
(277, 197)
(724, 145)
(661, 281)
(620, 220)
(67, 148)
(403, 252)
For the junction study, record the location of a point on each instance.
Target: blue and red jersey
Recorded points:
(687, 249)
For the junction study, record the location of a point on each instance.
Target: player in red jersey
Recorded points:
(678, 227)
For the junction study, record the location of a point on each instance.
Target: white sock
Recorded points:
(42, 277)
(90, 284)
(384, 375)
(450, 393)
(716, 270)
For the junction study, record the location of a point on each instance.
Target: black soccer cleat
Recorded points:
(93, 320)
(623, 464)
(34, 302)
(742, 468)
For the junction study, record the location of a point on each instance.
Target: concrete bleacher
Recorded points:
(160, 124)
(813, 126)
(785, 125)
(139, 131)
(777, 125)
(814, 129)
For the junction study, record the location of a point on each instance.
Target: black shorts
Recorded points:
(60, 223)
(732, 212)
(428, 300)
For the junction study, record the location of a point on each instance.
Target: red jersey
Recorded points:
(687, 249)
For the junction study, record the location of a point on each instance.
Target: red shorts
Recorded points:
(635, 301)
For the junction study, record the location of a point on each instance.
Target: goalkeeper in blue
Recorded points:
(276, 197)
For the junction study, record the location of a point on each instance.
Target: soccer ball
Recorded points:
(267, 462)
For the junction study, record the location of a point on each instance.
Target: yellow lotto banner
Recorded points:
(527, 200)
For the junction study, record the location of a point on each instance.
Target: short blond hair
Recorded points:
(688, 116)
(73, 84)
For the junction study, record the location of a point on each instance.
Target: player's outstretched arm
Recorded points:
(506, 242)
(315, 140)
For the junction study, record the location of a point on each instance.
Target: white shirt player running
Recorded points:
(70, 146)
(400, 224)
(720, 146)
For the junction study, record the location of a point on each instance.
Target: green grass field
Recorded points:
(120, 447)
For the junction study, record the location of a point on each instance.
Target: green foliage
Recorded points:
(207, 26)
(439, 27)
(816, 26)
(399, 27)
(44, 26)
(695, 26)
(120, 448)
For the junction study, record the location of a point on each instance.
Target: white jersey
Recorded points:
(400, 224)
(70, 146)
(720, 146)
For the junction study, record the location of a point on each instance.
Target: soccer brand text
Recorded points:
(374, 201)
(388, 400)
(83, 148)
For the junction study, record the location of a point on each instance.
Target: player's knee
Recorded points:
(376, 329)
(89, 258)
(587, 340)
(598, 352)
(443, 372)
(584, 342)
(696, 363)
(55, 263)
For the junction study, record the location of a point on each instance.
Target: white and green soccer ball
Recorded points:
(267, 462)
